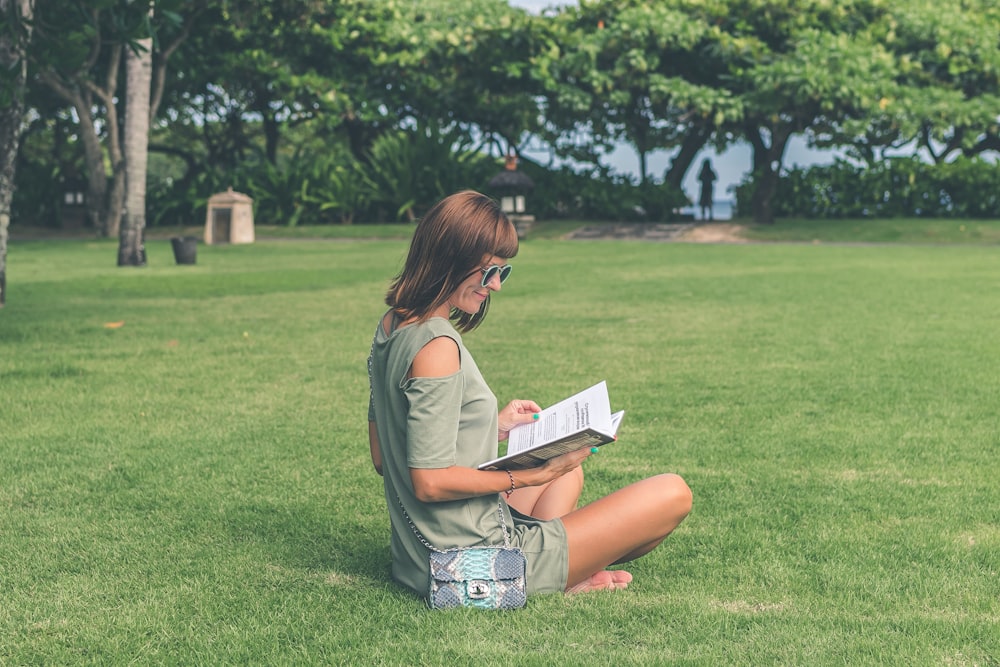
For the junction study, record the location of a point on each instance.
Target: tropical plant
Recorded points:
(903, 187)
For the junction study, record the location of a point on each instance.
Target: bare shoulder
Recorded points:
(437, 358)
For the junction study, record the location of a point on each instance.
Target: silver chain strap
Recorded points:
(423, 540)
(503, 522)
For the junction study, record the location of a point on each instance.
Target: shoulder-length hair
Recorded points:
(449, 243)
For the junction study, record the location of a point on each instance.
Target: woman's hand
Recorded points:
(516, 412)
(433, 485)
(552, 469)
(562, 464)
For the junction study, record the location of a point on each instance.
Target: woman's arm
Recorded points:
(375, 448)
(433, 485)
(439, 358)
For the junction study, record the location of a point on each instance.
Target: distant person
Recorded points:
(707, 177)
(432, 419)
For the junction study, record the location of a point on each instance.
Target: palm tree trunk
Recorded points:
(138, 77)
(13, 70)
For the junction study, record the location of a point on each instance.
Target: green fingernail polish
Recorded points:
(593, 450)
(534, 416)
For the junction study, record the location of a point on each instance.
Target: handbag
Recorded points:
(490, 577)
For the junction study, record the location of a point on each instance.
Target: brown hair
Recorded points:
(449, 243)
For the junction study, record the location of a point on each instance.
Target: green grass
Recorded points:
(910, 231)
(906, 230)
(194, 487)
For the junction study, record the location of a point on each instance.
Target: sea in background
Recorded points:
(722, 209)
(732, 165)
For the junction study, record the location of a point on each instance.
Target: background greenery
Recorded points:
(193, 486)
(893, 188)
(370, 110)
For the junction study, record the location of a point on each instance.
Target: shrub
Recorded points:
(599, 194)
(894, 188)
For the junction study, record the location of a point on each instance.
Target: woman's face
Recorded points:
(470, 294)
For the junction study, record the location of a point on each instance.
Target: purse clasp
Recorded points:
(479, 589)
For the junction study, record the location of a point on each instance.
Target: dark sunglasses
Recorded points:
(489, 272)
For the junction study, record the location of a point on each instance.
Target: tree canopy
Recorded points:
(373, 108)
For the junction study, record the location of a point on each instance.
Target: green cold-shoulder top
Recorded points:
(437, 423)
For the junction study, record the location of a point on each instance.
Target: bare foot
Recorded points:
(605, 580)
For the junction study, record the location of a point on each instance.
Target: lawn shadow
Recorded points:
(302, 537)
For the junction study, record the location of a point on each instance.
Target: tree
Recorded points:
(828, 76)
(138, 78)
(360, 78)
(462, 66)
(945, 90)
(77, 58)
(646, 74)
(477, 72)
(361, 81)
(77, 54)
(15, 34)
(631, 72)
(797, 65)
(948, 71)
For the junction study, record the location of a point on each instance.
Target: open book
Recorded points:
(582, 420)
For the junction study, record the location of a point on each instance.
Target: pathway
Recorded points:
(690, 232)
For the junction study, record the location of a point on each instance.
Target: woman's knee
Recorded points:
(675, 494)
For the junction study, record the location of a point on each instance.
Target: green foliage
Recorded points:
(892, 188)
(634, 72)
(948, 76)
(309, 187)
(395, 164)
(316, 104)
(319, 183)
(567, 193)
(468, 63)
(48, 165)
(350, 191)
(412, 169)
(175, 200)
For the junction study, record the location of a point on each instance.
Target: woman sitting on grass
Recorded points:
(432, 419)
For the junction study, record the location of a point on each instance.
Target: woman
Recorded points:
(432, 419)
(706, 199)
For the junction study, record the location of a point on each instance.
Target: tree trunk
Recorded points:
(761, 205)
(766, 167)
(104, 205)
(272, 130)
(162, 55)
(693, 142)
(643, 162)
(13, 70)
(93, 159)
(138, 77)
(116, 195)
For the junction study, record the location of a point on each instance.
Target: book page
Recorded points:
(616, 420)
(590, 408)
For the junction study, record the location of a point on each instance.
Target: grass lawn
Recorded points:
(185, 475)
(902, 230)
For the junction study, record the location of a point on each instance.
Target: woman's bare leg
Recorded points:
(622, 526)
(548, 501)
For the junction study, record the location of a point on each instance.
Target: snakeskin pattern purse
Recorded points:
(481, 577)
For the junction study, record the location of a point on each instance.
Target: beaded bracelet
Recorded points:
(511, 489)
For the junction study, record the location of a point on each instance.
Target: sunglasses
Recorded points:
(489, 272)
